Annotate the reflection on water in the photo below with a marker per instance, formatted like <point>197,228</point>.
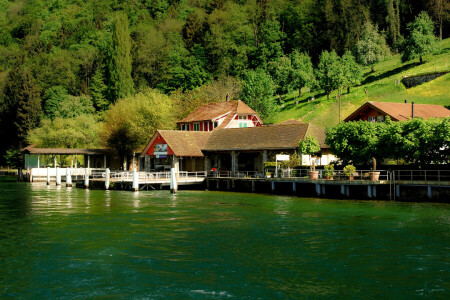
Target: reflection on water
<point>58,242</point>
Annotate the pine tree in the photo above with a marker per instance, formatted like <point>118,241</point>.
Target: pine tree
<point>98,90</point>
<point>119,60</point>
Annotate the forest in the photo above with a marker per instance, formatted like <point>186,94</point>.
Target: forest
<point>85,73</point>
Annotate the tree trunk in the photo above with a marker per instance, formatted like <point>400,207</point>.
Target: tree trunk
<point>421,60</point>
<point>300,92</point>
<point>348,90</point>
<point>440,28</point>
<point>328,96</point>
<point>281,98</point>
<point>373,69</point>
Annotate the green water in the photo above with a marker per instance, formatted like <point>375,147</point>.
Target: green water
<point>72,243</point>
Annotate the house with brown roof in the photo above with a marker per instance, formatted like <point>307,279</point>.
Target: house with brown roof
<point>227,114</point>
<point>377,111</point>
<point>174,148</point>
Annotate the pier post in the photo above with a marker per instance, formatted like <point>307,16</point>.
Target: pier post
<point>107,179</point>
<point>136,180</point>
<point>273,186</point>
<point>429,192</point>
<point>397,191</point>
<point>68,178</point>
<point>253,186</point>
<point>374,191</point>
<point>294,187</point>
<point>369,191</point>
<point>228,184</point>
<point>48,175</point>
<point>207,183</point>
<point>173,181</point>
<point>58,176</point>
<point>347,191</point>
<point>86,178</point>
<point>233,184</point>
<point>217,184</point>
<point>342,189</point>
<point>323,189</point>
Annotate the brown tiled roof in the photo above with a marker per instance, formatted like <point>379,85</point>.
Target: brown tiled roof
<point>185,143</point>
<point>263,137</point>
<point>402,111</point>
<point>288,122</point>
<point>65,151</point>
<point>213,110</point>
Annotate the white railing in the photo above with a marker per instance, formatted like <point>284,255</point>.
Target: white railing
<point>422,175</point>
<point>147,175</point>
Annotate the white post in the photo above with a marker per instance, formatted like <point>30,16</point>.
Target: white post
<point>68,178</point>
<point>369,191</point>
<point>89,161</point>
<point>342,189</point>
<point>48,175</point>
<point>107,179</point>
<point>173,181</point>
<point>58,176</point>
<point>86,178</point>
<point>276,168</point>
<point>430,194</point>
<point>39,161</point>
<point>135,180</point>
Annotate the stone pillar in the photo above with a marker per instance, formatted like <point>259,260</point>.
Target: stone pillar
<point>369,191</point>
<point>107,179</point>
<point>136,181</point>
<point>58,176</point>
<point>68,178</point>
<point>234,165</point>
<point>48,175</point>
<point>86,178</point>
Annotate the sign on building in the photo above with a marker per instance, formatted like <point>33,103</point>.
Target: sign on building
<point>282,157</point>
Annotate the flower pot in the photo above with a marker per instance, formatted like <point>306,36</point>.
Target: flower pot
<point>329,177</point>
<point>350,177</point>
<point>374,176</point>
<point>314,175</point>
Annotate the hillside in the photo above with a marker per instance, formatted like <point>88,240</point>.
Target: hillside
<point>382,85</point>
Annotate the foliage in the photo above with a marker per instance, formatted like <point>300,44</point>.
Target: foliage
<point>328,170</point>
<point>351,70</point>
<point>13,158</point>
<point>416,141</point>
<point>309,145</point>
<point>59,104</point>
<point>257,91</point>
<point>349,170</point>
<point>119,59</point>
<point>421,38</point>
<point>98,90</point>
<point>130,122</point>
<point>295,160</point>
<point>282,74</point>
<point>372,47</point>
<point>78,132</point>
<point>303,73</point>
<point>329,72</point>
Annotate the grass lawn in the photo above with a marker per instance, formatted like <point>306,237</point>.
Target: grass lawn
<point>382,85</point>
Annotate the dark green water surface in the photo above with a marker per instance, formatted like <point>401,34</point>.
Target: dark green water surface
<point>72,243</point>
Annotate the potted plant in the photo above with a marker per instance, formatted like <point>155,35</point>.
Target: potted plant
<point>374,176</point>
<point>328,171</point>
<point>268,174</point>
<point>309,146</point>
<point>349,170</point>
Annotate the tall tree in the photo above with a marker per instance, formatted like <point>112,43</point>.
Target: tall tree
<point>372,47</point>
<point>257,92</point>
<point>440,9</point>
<point>119,59</point>
<point>22,107</point>
<point>98,90</point>
<point>328,72</point>
<point>302,71</point>
<point>281,72</point>
<point>352,71</point>
<point>421,38</point>
<point>393,8</point>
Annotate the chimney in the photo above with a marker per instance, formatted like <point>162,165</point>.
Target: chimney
<point>227,96</point>
<point>406,101</point>
<point>412,110</point>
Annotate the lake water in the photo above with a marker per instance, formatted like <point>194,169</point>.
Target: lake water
<point>58,242</point>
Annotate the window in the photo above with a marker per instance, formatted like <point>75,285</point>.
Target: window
<point>183,127</point>
<point>380,119</point>
<point>242,117</point>
<point>188,127</point>
<point>216,124</point>
<point>196,126</point>
<point>371,119</point>
<point>205,126</point>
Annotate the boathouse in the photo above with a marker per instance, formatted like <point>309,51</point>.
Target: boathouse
<point>227,114</point>
<point>247,149</point>
<point>173,148</point>
<point>377,111</point>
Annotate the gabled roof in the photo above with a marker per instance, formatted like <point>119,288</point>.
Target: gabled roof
<point>263,137</point>
<point>66,151</point>
<point>210,111</point>
<point>402,111</point>
<point>182,143</point>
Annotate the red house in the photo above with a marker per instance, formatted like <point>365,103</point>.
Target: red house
<point>377,111</point>
<point>228,114</point>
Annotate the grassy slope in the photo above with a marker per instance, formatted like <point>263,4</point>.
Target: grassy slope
<point>380,86</point>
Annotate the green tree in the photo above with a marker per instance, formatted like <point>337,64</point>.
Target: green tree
<point>21,108</point>
<point>372,47</point>
<point>98,91</point>
<point>352,71</point>
<point>119,59</point>
<point>59,104</point>
<point>303,72</point>
<point>129,122</point>
<point>421,38</point>
<point>309,145</point>
<point>329,72</point>
<point>257,92</point>
<point>281,72</point>
<point>53,97</point>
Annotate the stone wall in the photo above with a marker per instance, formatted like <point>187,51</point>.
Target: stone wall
<point>413,81</point>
